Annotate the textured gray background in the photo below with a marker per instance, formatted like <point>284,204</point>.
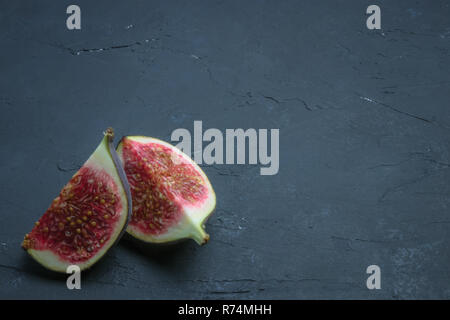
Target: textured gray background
<point>364,141</point>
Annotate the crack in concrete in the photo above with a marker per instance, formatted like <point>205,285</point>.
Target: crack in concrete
<point>303,102</point>
<point>68,167</point>
<point>361,240</point>
<point>225,172</point>
<point>394,109</point>
<point>220,280</point>
<point>419,155</point>
<point>5,266</point>
<point>77,52</point>
<point>400,186</point>
<point>229,292</point>
<point>272,99</point>
<point>94,50</point>
<point>389,164</point>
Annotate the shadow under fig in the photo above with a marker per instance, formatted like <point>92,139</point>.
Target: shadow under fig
<point>30,266</point>
<point>164,254</point>
<point>167,256</point>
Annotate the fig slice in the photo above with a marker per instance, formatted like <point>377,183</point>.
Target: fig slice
<point>172,197</point>
<point>89,215</point>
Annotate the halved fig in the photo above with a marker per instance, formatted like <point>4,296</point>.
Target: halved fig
<point>172,197</point>
<point>88,217</point>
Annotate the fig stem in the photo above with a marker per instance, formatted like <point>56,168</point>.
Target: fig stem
<point>199,235</point>
<point>109,133</point>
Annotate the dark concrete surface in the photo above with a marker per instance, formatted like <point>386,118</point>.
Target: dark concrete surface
<point>364,125</point>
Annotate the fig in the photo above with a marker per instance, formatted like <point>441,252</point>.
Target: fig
<point>172,197</point>
<point>89,215</point>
